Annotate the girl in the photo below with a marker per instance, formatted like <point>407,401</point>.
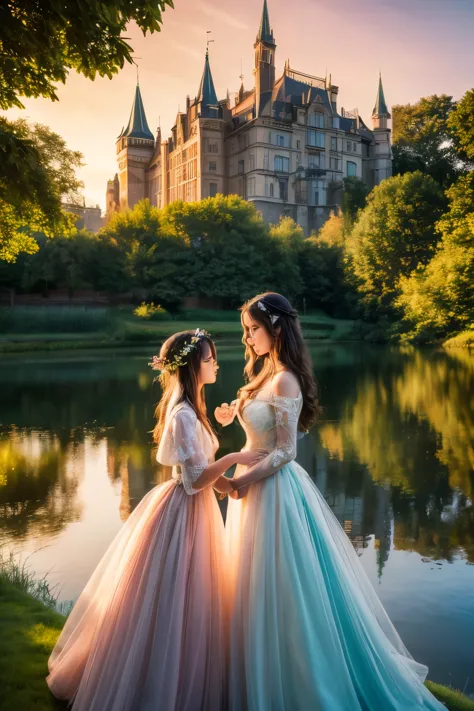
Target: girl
<point>307,629</point>
<point>148,631</point>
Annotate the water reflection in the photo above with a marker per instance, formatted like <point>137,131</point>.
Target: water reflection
<point>393,455</point>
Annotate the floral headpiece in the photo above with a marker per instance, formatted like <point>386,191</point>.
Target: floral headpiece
<point>179,359</point>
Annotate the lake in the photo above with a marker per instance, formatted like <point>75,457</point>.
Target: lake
<point>393,455</point>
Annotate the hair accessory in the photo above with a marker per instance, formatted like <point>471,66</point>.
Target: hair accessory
<point>163,365</point>
<point>273,317</point>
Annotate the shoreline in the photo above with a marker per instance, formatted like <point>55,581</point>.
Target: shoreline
<point>30,630</point>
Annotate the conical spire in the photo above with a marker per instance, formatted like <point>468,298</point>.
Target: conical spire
<point>380,108</point>
<point>137,125</point>
<point>207,97</point>
<point>265,33</point>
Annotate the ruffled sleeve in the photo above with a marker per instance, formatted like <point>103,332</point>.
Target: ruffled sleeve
<point>182,445</point>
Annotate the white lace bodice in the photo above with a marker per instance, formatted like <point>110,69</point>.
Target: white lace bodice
<point>186,446</point>
<point>271,422</point>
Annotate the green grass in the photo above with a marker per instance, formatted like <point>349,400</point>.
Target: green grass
<point>122,329</point>
<point>29,633</point>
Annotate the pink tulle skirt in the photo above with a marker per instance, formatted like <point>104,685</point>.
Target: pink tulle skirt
<point>149,630</point>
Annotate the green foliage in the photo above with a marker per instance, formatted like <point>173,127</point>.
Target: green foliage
<point>422,139</point>
<point>37,171</point>
<point>392,236</point>
<point>437,299</point>
<point>354,198</point>
<point>41,41</point>
<point>461,125</point>
<point>150,312</point>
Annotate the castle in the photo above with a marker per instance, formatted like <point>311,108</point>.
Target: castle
<point>282,144</point>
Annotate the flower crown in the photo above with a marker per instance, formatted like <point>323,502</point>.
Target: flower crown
<point>179,358</point>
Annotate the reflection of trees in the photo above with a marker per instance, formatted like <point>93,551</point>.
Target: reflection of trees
<point>38,483</point>
<point>411,423</point>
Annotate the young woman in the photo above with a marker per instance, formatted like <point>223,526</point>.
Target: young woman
<point>149,630</point>
<point>307,629</point>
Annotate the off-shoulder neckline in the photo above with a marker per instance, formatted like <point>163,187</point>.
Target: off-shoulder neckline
<point>269,396</point>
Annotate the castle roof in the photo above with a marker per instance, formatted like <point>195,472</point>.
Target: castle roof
<point>137,126</point>
<point>380,107</point>
<point>207,97</point>
<point>265,33</point>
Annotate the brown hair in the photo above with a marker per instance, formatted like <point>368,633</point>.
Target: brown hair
<point>187,377</point>
<point>288,348</point>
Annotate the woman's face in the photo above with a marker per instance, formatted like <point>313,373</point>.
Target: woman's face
<point>256,335</point>
<point>209,367</point>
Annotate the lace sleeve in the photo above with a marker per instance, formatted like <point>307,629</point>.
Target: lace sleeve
<point>286,424</point>
<point>287,411</point>
<point>183,446</point>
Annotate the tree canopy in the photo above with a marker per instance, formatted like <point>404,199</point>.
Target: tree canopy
<point>41,40</point>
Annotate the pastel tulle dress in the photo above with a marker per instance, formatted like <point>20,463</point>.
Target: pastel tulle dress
<point>148,631</point>
<point>307,630</point>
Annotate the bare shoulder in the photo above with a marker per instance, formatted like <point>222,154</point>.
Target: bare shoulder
<point>286,384</point>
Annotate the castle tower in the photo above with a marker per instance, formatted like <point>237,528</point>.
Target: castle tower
<point>264,64</point>
<point>383,152</point>
<point>135,148</point>
<point>206,99</point>
<point>210,131</point>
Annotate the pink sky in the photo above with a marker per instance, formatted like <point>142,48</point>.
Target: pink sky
<point>422,47</point>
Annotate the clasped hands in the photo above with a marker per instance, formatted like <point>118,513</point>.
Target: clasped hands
<point>248,458</point>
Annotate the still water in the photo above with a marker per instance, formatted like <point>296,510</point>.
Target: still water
<point>393,455</point>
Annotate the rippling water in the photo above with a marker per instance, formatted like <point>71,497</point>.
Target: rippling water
<point>393,455</point>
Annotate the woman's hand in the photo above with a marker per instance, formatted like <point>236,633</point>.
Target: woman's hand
<point>223,485</point>
<point>238,493</point>
<point>250,457</point>
<point>225,414</point>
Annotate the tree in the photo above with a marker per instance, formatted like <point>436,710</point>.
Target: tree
<point>422,139</point>
<point>37,171</point>
<point>437,299</point>
<point>354,198</point>
<point>461,125</point>
<point>41,41</point>
<point>394,234</point>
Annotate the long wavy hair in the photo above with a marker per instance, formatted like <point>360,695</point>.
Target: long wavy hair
<point>185,376</point>
<point>281,322</point>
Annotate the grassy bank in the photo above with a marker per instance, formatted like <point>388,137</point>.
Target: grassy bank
<point>29,632</point>
<point>60,328</point>
<point>465,339</point>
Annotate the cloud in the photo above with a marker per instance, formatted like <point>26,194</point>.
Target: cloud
<point>188,50</point>
<point>213,12</point>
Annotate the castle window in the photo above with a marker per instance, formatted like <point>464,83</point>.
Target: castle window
<point>349,146</point>
<point>213,148</point>
<point>271,189</point>
<point>315,138</point>
<point>354,146</point>
<point>212,167</point>
<point>251,186</point>
<point>298,144</point>
<point>351,169</point>
<point>241,166</point>
<point>317,161</point>
<point>283,185</point>
<point>333,164</point>
<point>252,161</point>
<point>316,120</point>
<point>282,164</point>
<point>333,143</point>
<point>212,189</point>
<point>280,140</point>
<point>269,136</point>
